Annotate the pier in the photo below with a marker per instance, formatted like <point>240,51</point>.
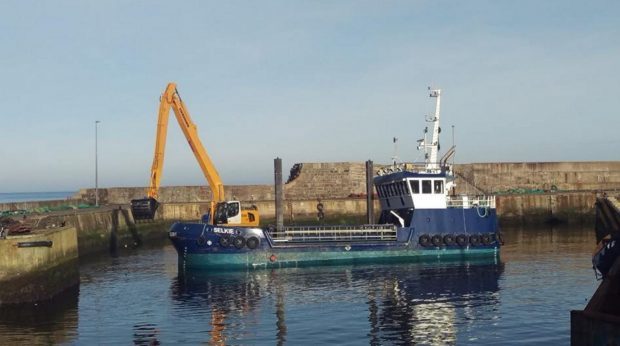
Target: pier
<point>37,266</point>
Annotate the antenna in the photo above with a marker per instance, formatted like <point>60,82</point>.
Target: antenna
<point>453,145</point>
<point>395,156</point>
<point>431,147</point>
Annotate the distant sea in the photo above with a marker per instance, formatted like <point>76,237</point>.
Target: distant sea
<point>11,197</point>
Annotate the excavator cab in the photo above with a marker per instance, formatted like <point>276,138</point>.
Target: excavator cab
<point>144,208</point>
<point>230,213</point>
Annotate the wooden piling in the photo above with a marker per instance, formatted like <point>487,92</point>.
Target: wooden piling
<point>277,167</point>
<point>370,210</point>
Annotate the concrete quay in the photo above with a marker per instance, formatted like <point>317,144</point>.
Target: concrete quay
<point>41,264</point>
<point>37,266</point>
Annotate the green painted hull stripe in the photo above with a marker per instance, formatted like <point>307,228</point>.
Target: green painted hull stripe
<point>263,259</point>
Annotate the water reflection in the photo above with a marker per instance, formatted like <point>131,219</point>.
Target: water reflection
<point>404,303</point>
<point>43,323</point>
<point>145,334</point>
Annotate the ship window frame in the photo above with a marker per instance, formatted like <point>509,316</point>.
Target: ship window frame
<point>438,186</point>
<point>415,186</point>
<point>405,188</point>
<point>427,186</point>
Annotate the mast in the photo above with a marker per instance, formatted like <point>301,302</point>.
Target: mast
<point>432,148</point>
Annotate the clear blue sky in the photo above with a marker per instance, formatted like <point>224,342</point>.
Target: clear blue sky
<point>306,81</point>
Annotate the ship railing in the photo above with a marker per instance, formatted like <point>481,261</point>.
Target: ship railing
<point>305,234</point>
<point>467,202</point>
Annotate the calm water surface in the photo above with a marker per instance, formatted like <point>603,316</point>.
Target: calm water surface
<point>140,298</point>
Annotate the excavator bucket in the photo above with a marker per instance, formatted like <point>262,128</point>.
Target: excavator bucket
<point>144,209</point>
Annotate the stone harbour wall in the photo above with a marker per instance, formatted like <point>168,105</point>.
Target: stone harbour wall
<point>523,189</point>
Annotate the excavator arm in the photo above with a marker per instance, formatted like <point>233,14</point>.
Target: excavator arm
<point>145,208</point>
<point>171,99</point>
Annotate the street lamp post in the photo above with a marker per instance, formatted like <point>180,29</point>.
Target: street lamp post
<point>96,167</point>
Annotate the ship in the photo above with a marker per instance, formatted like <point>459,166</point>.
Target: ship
<point>421,219</point>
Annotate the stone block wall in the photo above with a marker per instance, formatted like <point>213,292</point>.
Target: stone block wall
<point>172,194</point>
<point>536,208</point>
<point>566,176</point>
<point>327,180</point>
<point>315,181</point>
<point>576,183</point>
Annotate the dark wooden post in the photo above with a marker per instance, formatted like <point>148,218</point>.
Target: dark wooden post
<point>277,167</point>
<point>370,206</point>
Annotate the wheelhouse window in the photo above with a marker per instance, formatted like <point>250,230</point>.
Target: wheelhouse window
<point>403,184</point>
<point>415,186</point>
<point>438,186</point>
<point>401,188</point>
<point>381,191</point>
<point>427,186</point>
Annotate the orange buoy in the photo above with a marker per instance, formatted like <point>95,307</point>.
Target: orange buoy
<point>273,258</point>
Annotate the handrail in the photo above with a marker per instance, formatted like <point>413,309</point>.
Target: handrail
<point>295,234</point>
<point>470,201</point>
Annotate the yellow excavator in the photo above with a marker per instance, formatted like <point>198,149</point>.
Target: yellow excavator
<point>220,212</point>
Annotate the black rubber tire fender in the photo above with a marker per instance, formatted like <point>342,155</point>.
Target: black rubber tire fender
<point>252,243</point>
<point>474,240</point>
<point>239,242</point>
<point>462,240</point>
<point>224,241</point>
<point>424,240</point>
<point>437,240</point>
<point>201,241</point>
<point>486,239</point>
<point>448,239</point>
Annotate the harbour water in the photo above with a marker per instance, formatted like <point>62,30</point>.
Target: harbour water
<point>139,297</point>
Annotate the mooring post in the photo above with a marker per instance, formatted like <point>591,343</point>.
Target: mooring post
<point>370,206</point>
<point>277,167</point>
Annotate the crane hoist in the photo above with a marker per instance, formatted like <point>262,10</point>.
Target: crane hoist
<point>221,212</point>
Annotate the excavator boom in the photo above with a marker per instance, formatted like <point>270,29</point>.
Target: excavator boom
<point>145,208</point>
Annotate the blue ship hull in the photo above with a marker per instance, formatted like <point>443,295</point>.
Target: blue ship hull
<point>432,234</point>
